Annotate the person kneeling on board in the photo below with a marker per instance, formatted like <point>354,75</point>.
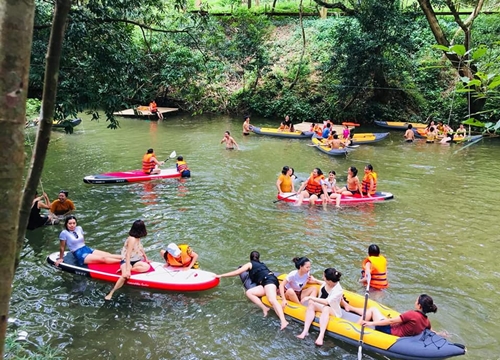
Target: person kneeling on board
<point>180,256</point>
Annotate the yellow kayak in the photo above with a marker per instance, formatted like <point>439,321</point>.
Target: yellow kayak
<point>280,133</point>
<point>399,125</point>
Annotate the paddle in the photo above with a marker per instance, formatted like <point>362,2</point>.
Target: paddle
<point>289,196</point>
<point>172,155</point>
<point>367,293</point>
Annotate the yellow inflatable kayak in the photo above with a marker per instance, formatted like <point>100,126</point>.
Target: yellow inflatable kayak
<point>427,345</point>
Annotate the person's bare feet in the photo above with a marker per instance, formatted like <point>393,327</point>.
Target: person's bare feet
<point>284,325</point>
<point>319,342</point>
<point>108,297</point>
<point>301,336</point>
<point>266,311</point>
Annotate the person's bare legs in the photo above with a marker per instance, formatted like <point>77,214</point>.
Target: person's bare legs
<point>254,294</point>
<point>310,315</point>
<point>309,291</point>
<point>102,257</point>
<point>323,323</point>
<point>118,284</point>
<point>271,290</point>
<point>292,296</point>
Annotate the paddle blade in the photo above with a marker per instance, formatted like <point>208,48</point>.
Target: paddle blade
<point>360,352</point>
<point>173,154</point>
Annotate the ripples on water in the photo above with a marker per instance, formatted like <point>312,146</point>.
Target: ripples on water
<point>439,234</point>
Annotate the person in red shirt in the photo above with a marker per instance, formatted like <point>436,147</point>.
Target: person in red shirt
<point>410,323</point>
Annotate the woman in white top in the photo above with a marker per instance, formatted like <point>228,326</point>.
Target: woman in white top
<point>331,188</point>
<point>329,301</point>
<point>292,288</point>
<point>73,237</point>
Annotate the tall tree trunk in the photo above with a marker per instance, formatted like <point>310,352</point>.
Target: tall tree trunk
<point>16,33</point>
<point>47,114</point>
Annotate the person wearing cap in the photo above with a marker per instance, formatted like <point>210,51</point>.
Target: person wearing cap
<point>63,205</point>
<point>182,167</point>
<point>180,256</point>
<point>150,164</point>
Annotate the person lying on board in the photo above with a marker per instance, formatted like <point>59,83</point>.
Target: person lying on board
<point>180,256</point>
<point>285,181</point>
<point>374,269</point>
<point>150,164</point>
<point>331,296</point>
<point>247,127</point>
<point>62,206</point>
<point>312,188</point>
<point>292,288</point>
<point>267,285</point>
<point>73,237</point>
<point>410,323</point>
<point>409,134</point>
<point>230,142</point>
<point>182,167</point>
<point>133,257</point>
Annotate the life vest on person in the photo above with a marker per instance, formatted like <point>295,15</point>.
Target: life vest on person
<point>147,164</point>
<point>313,185</point>
<point>431,136</point>
<point>153,107</point>
<point>182,166</point>
<point>365,184</point>
<point>318,130</point>
<point>378,271</point>
<point>184,258</point>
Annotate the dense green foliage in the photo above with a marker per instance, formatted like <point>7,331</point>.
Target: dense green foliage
<point>379,64</point>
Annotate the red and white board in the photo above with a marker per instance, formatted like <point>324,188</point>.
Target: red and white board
<point>356,199</point>
<point>129,176</point>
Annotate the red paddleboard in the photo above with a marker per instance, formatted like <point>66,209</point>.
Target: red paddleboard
<point>129,176</point>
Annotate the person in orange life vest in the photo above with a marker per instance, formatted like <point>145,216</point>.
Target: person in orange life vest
<point>182,167</point>
<point>153,109</point>
<point>150,165</point>
<point>374,269</point>
<point>369,182</point>
<point>180,256</point>
<point>313,187</point>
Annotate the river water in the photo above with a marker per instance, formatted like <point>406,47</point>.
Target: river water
<point>439,234</point>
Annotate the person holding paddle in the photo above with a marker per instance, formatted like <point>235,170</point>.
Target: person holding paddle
<point>150,164</point>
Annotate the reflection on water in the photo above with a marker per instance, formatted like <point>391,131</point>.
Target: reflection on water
<point>438,233</point>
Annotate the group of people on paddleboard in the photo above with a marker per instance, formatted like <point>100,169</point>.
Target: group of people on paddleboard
<point>151,165</point>
<point>326,296</point>
<point>320,187</point>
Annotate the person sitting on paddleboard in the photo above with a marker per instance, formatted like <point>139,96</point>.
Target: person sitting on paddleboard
<point>374,269</point>
<point>410,323</point>
<point>182,167</point>
<point>267,284</point>
<point>151,165</point>
<point>328,303</point>
<point>331,188</point>
<point>353,186</point>
<point>153,109</point>
<point>63,205</point>
<point>133,258</point>
<point>312,187</point>
<point>369,182</point>
<point>180,256</point>
<point>409,134</point>
<point>285,181</point>
<point>293,286</point>
<point>73,237</point>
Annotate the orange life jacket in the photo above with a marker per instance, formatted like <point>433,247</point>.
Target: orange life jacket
<point>378,271</point>
<point>153,107</point>
<point>184,258</point>
<point>313,185</point>
<point>182,166</point>
<point>147,164</point>
<point>365,184</point>
<point>318,130</point>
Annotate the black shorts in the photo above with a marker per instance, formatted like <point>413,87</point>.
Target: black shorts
<point>270,279</point>
<point>132,263</point>
<point>354,192</point>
